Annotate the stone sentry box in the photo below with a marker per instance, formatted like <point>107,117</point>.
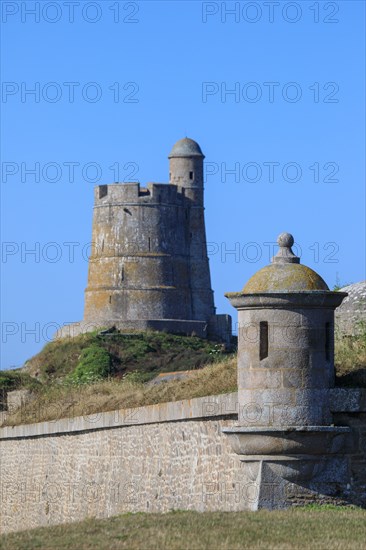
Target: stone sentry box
<point>285,373</point>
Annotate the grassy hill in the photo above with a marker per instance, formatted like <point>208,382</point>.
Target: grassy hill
<point>96,372</point>
<point>147,352</point>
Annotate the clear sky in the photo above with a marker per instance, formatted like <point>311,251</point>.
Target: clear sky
<point>272,91</point>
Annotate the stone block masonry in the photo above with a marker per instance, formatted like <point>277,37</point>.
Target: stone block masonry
<point>149,459</point>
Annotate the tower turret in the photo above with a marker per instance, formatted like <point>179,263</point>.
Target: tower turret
<point>186,171</point>
<point>186,168</point>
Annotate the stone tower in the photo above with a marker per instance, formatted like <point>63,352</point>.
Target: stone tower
<point>149,266</point>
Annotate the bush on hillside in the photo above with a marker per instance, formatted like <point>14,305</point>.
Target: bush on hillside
<point>94,365</point>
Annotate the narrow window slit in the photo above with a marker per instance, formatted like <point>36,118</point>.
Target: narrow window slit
<point>263,340</point>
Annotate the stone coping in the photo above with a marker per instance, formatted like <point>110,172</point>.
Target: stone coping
<point>284,429</point>
<point>205,408</point>
<point>303,299</point>
<point>190,409</point>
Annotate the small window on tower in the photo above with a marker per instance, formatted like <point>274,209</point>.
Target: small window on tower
<point>191,175</point>
<point>263,340</point>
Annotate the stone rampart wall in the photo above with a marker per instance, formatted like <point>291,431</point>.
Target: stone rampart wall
<point>157,458</point>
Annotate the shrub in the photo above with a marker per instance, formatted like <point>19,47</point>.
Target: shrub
<point>94,364</point>
<point>138,377</point>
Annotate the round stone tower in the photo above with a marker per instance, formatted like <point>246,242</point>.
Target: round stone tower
<point>139,268</point>
<point>186,172</point>
<point>149,266</point>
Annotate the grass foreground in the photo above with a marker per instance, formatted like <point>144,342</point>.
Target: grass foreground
<point>311,527</point>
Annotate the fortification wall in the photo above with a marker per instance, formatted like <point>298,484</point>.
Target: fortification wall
<point>151,459</point>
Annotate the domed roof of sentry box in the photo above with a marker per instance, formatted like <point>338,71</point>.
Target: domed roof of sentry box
<point>186,147</point>
<point>285,273</point>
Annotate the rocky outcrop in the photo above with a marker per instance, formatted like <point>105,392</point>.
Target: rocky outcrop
<point>350,316</point>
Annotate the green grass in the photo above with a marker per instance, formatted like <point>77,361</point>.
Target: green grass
<point>314,528</point>
<point>147,352</point>
<point>94,364</point>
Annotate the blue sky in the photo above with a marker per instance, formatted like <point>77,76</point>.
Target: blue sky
<point>125,80</point>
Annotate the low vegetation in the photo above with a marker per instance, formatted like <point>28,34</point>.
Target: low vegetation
<point>315,528</point>
<point>94,373</point>
<point>67,400</point>
<point>350,359</point>
<point>148,352</point>
<point>15,380</point>
<point>100,372</point>
<point>94,364</point>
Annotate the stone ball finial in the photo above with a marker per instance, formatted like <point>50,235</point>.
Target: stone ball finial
<point>285,254</point>
<point>285,239</point>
